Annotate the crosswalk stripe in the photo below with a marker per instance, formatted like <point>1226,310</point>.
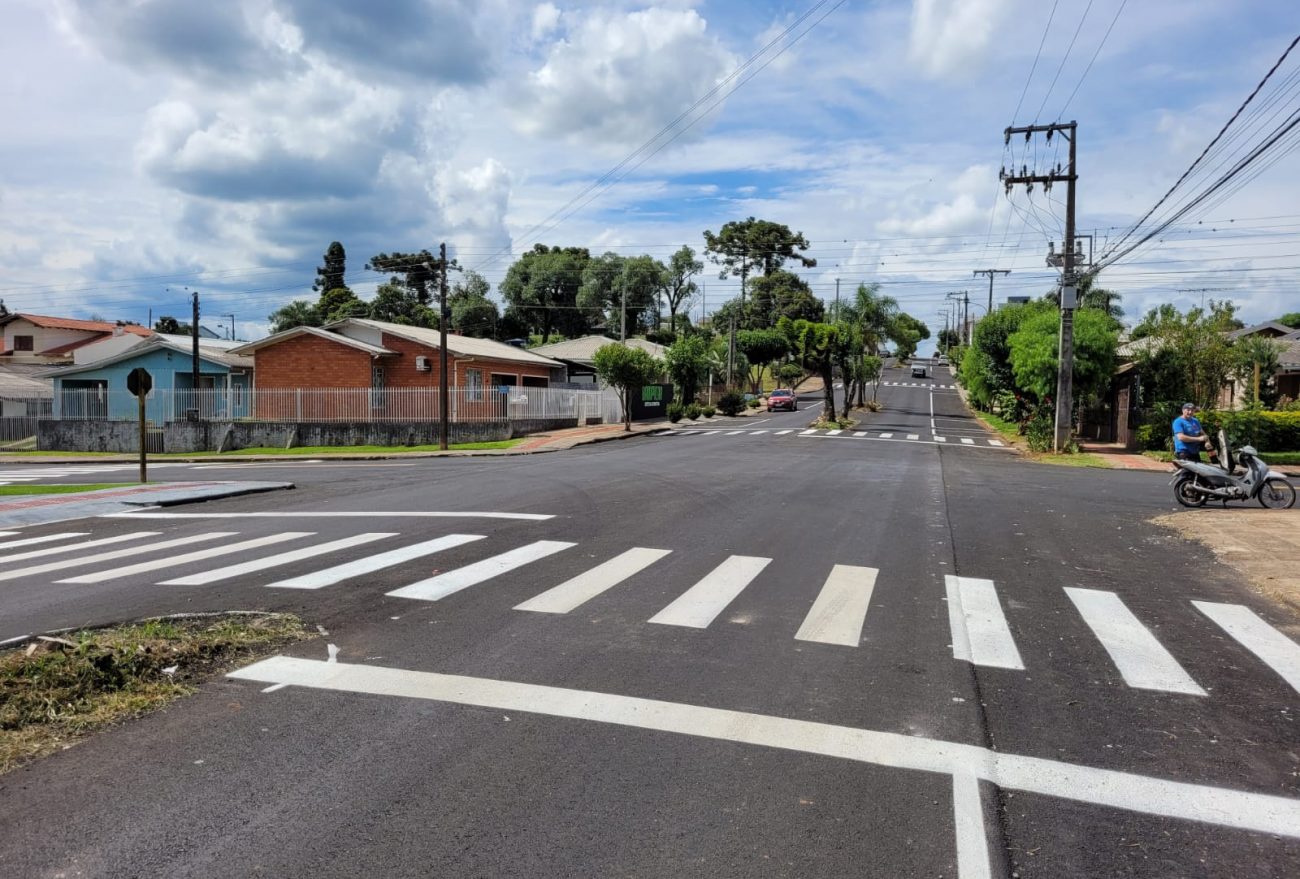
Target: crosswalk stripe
<point>112,555</point>
<point>783,432</point>
<point>756,432</point>
<point>840,611</point>
<point>967,441</point>
<point>734,432</point>
<point>72,547</point>
<point>9,533</point>
<point>808,431</point>
<point>1139,657</point>
<point>451,582</point>
<point>370,564</point>
<point>941,439</point>
<point>994,442</point>
<point>834,432</point>
<point>186,558</point>
<point>699,605</point>
<point>574,592</point>
<point>861,433</point>
<point>273,561</point>
<point>980,634</point>
<point>1276,650</point>
<point>886,436</point>
<point>914,436</point>
<point>47,538</point>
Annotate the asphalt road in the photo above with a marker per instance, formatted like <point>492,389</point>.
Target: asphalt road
<point>747,651</point>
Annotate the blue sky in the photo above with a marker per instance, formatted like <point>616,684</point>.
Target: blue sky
<point>155,146</point>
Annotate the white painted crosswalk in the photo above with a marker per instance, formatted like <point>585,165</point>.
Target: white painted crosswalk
<point>982,441</point>
<point>981,620</point>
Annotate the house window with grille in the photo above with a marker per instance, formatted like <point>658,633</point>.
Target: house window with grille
<point>474,383</point>
<point>23,343</point>
<point>376,387</point>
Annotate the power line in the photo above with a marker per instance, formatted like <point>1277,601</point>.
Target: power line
<point>1093,60</point>
<point>1051,15</point>
<point>1064,58</point>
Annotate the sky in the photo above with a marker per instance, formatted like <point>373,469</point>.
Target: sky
<point>157,147</point>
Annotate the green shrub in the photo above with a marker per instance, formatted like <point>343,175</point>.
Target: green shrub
<point>731,403</point>
<point>1266,431</point>
<point>753,404</point>
<point>693,411</point>
<point>1154,438</point>
<point>675,412</point>
<point>708,411</point>
<point>789,374</point>
<point>1041,429</point>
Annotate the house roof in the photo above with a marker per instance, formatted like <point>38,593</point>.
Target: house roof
<point>465,346</point>
<point>68,323</point>
<point>250,347</point>
<point>1267,326</point>
<point>1289,357</point>
<point>583,349</point>
<point>211,355</point>
<point>16,386</point>
<point>69,347</point>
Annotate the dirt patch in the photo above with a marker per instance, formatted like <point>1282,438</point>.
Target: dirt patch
<point>1264,545</point>
<point>56,689</point>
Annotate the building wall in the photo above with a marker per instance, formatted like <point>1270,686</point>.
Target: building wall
<point>170,370</point>
<point>42,338</point>
<point>309,361</point>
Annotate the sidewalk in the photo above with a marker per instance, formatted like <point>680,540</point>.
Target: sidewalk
<point>1122,459</point>
<point>43,509</point>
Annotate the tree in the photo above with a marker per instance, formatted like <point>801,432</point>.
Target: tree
<point>948,338</point>
<point>688,365</point>
<point>761,347</point>
<point>874,314</point>
<point>612,282</point>
<point>1091,296</point>
<point>330,275</point>
<point>624,368</point>
<point>417,272</point>
<point>472,312</point>
<point>985,369</point>
<point>1189,357</point>
<point>1035,344</point>
<point>338,304</point>
<point>679,289</point>
<point>170,326</point>
<point>298,313</point>
<point>743,244</point>
<point>541,290</point>
<point>396,303</point>
<point>781,294</point>
<point>906,332</point>
<point>1256,355</point>
<point>815,344</point>
<point>1291,319</point>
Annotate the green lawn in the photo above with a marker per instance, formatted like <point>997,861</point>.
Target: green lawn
<point>16,490</point>
<point>1008,429</point>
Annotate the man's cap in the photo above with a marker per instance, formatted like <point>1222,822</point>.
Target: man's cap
<point>1189,405</point>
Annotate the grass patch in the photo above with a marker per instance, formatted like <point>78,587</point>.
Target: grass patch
<point>834,423</point>
<point>54,692</point>
<point>16,490</point>
<point>1078,459</point>
<point>1278,458</point>
<point>1009,430</point>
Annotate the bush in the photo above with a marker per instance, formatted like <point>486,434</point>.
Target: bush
<point>1041,429</point>
<point>789,374</point>
<point>675,412</point>
<point>708,411</point>
<point>753,404</point>
<point>731,403</point>
<point>1154,438</point>
<point>1266,431</point>
<point>693,411</point>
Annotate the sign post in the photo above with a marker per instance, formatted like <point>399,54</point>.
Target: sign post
<point>139,382</point>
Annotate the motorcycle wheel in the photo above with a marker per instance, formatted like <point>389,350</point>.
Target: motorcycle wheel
<point>1277,494</point>
<point>1186,496</point>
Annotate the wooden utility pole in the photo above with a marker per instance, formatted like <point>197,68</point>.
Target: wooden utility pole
<point>990,273</point>
<point>1069,279</point>
<point>444,388</point>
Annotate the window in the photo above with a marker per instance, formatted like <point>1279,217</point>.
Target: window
<point>474,382</point>
<point>23,343</point>
<point>376,387</point>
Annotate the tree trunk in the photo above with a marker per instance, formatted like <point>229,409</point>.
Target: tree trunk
<point>672,318</point>
<point>828,391</point>
<point>627,409</point>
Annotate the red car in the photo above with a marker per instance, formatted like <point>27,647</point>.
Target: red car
<point>782,399</point>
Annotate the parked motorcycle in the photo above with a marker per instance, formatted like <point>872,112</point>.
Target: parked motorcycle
<point>1196,483</point>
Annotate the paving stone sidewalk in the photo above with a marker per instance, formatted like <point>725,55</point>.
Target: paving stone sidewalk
<point>42,509</point>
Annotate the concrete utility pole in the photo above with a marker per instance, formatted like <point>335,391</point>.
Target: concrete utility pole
<point>622,307</point>
<point>990,273</point>
<point>1069,292</point>
<point>444,387</point>
<point>194,339</point>
<point>965,315</point>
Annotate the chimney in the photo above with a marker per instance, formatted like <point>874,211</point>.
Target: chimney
<point>118,329</point>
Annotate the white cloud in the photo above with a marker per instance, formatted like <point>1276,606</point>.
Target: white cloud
<point>474,202</point>
<point>620,77</point>
<point>949,37</point>
<point>546,18</point>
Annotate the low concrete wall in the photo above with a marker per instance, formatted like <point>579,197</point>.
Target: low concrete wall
<point>227,436</point>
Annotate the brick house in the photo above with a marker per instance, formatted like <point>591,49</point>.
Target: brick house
<point>358,369</point>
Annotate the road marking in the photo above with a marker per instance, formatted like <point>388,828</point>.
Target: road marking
<point>783,432</point>
<point>47,538</point>
<point>932,413</point>
<point>980,634</point>
<point>864,433</point>
<point>359,514</point>
<point>914,436</point>
<point>9,533</point>
<point>1141,660</point>
<point>113,555</point>
<point>452,582</point>
<point>941,439</point>
<point>370,564</point>
<point>808,431</point>
<point>734,432</point>
<point>1276,650</point>
<point>272,561</point>
<point>834,432</point>
<point>1244,810</point>
<point>699,605</point>
<point>994,442</point>
<point>967,441</point>
<point>89,544</point>
<point>968,820</point>
<point>580,589</point>
<point>840,611</point>
<point>757,432</point>
<point>186,558</point>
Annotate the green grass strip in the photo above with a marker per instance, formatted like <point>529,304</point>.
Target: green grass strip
<point>17,490</point>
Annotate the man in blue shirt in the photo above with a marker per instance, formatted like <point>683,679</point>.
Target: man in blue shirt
<point>1189,436</point>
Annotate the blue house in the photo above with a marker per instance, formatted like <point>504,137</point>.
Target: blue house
<point>97,390</point>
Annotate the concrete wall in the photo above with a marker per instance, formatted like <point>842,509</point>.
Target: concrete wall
<point>211,436</point>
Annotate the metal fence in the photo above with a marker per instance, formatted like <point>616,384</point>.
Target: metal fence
<point>466,405</point>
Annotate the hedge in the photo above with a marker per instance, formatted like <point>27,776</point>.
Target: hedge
<point>1266,431</point>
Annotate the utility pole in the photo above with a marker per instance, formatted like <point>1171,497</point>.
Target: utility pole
<point>444,388</point>
<point>232,325</point>
<point>1069,292</point>
<point>622,306</point>
<point>194,339</point>
<point>965,315</point>
<point>731,353</point>
<point>990,273</point>
<point>837,299</point>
